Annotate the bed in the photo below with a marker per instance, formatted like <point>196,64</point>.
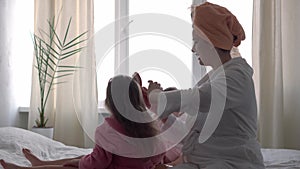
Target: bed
<point>12,140</point>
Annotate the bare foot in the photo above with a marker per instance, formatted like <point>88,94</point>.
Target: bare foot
<point>9,165</point>
<point>32,158</point>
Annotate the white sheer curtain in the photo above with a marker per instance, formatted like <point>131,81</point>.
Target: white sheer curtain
<point>8,104</point>
<point>16,18</point>
<point>276,60</point>
<point>71,100</point>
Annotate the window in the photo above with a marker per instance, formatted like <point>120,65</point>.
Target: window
<point>148,47</point>
<point>145,44</point>
<point>141,45</point>
<point>104,16</point>
<point>22,51</point>
<point>156,53</point>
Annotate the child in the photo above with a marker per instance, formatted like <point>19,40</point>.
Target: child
<point>112,151</point>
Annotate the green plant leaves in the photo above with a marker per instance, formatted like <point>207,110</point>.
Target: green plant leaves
<point>50,50</point>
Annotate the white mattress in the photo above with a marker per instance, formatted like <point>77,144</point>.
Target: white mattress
<point>12,140</point>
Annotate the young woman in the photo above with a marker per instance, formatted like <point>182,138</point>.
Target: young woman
<point>113,149</point>
<point>223,102</point>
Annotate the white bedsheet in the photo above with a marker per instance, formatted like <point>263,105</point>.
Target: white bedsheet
<point>281,158</point>
<point>12,140</point>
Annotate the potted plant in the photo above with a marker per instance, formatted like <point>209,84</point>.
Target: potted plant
<point>50,50</point>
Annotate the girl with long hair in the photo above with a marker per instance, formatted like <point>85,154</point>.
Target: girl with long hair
<point>119,139</point>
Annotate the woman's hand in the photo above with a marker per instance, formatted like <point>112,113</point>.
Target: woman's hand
<point>153,92</point>
<point>161,166</point>
<point>153,86</point>
<point>178,114</point>
<point>179,160</point>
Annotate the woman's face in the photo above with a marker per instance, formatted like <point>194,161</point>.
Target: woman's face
<point>204,50</point>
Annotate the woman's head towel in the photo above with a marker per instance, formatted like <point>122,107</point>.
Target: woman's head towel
<point>218,24</point>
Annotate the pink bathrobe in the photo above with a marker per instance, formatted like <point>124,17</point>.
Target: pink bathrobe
<point>107,139</point>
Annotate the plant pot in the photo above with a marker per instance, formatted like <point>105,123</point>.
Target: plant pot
<point>47,131</point>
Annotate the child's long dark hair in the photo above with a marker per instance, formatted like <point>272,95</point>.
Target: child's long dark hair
<point>133,129</point>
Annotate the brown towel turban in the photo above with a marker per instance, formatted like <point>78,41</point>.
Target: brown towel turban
<point>219,25</point>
